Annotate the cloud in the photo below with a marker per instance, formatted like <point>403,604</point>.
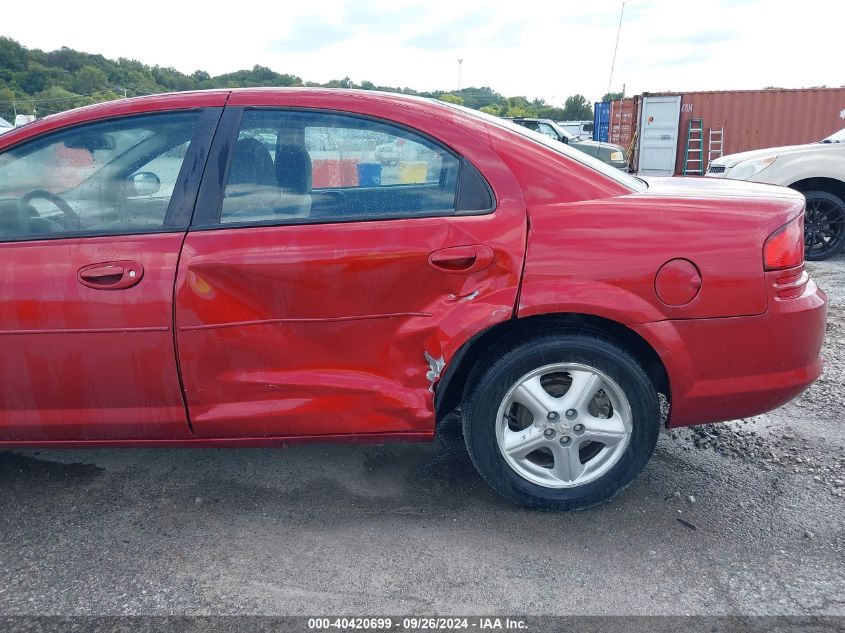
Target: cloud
<point>693,57</point>
<point>704,38</point>
<point>510,35</point>
<point>729,4</point>
<point>383,19</point>
<point>599,19</point>
<point>638,11</point>
<point>455,34</point>
<point>310,33</point>
<point>667,60</point>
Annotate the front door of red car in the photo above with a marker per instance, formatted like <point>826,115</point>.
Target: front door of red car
<point>321,290</point>
<point>92,219</point>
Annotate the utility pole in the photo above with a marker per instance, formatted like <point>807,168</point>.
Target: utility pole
<point>460,64</point>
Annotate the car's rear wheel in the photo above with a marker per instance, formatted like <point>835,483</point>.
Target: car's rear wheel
<point>561,421</point>
<point>824,225</point>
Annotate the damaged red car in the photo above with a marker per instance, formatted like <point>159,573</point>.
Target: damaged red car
<point>242,268</point>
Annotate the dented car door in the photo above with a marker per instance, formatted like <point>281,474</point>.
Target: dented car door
<point>321,292</point>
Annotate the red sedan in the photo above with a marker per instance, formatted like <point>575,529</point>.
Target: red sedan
<point>238,268</point>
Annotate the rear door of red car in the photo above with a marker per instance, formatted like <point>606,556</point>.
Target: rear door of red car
<point>320,291</point>
<point>92,219</point>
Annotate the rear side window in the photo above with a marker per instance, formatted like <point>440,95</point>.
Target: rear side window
<point>295,166</point>
<point>107,178</point>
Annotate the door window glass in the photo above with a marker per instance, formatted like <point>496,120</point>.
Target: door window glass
<point>323,167</point>
<point>110,177</point>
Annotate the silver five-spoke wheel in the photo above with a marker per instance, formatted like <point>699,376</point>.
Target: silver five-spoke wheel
<point>563,425</point>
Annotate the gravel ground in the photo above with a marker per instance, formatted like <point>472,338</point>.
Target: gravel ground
<point>741,518</point>
<point>805,436</point>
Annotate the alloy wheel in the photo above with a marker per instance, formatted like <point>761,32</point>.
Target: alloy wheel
<point>563,425</point>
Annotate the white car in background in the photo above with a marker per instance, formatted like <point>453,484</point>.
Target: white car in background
<point>816,169</point>
<point>582,129</point>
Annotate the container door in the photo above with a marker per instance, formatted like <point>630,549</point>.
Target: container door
<point>659,135</point>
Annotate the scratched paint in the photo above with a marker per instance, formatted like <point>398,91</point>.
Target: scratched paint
<point>435,367</point>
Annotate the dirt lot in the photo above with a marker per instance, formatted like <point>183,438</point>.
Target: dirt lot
<point>745,517</point>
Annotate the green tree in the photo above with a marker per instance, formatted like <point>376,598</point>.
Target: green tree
<point>550,112</point>
<point>13,58</point>
<point>479,97</point>
<point>89,79</point>
<point>450,98</point>
<point>613,96</point>
<point>34,78</point>
<point>7,104</point>
<point>346,82</point>
<point>56,99</point>
<point>577,108</point>
<point>67,78</point>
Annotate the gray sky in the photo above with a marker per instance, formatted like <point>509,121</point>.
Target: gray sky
<point>536,49</point>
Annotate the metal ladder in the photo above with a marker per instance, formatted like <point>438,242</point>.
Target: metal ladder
<point>715,147</point>
<point>694,151</point>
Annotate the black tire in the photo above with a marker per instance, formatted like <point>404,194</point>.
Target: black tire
<point>503,367</point>
<point>824,225</point>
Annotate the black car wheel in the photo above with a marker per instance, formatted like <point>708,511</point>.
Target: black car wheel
<point>824,225</point>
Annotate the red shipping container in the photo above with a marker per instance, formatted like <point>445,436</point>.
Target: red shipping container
<point>751,119</point>
<point>755,119</point>
<point>623,121</point>
<point>334,172</point>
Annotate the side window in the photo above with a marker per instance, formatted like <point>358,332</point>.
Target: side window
<point>300,166</point>
<point>107,178</point>
<point>547,130</point>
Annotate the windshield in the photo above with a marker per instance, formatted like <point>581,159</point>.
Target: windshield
<point>632,183</point>
<point>838,137</point>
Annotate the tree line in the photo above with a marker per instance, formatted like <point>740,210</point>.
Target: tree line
<point>33,81</point>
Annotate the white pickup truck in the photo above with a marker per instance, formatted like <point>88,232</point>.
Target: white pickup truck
<point>816,169</point>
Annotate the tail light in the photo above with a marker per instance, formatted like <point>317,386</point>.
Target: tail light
<point>785,247</point>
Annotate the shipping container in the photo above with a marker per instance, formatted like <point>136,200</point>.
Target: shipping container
<point>601,121</point>
<point>623,121</point>
<point>755,119</point>
<point>749,119</point>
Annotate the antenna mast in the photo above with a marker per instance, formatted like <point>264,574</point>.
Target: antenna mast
<point>616,48</point>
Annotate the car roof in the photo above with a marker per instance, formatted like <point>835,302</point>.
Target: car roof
<point>217,97</point>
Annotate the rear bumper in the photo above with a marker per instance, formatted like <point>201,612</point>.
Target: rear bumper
<point>729,368</point>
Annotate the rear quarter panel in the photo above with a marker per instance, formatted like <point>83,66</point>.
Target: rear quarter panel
<point>601,256</point>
